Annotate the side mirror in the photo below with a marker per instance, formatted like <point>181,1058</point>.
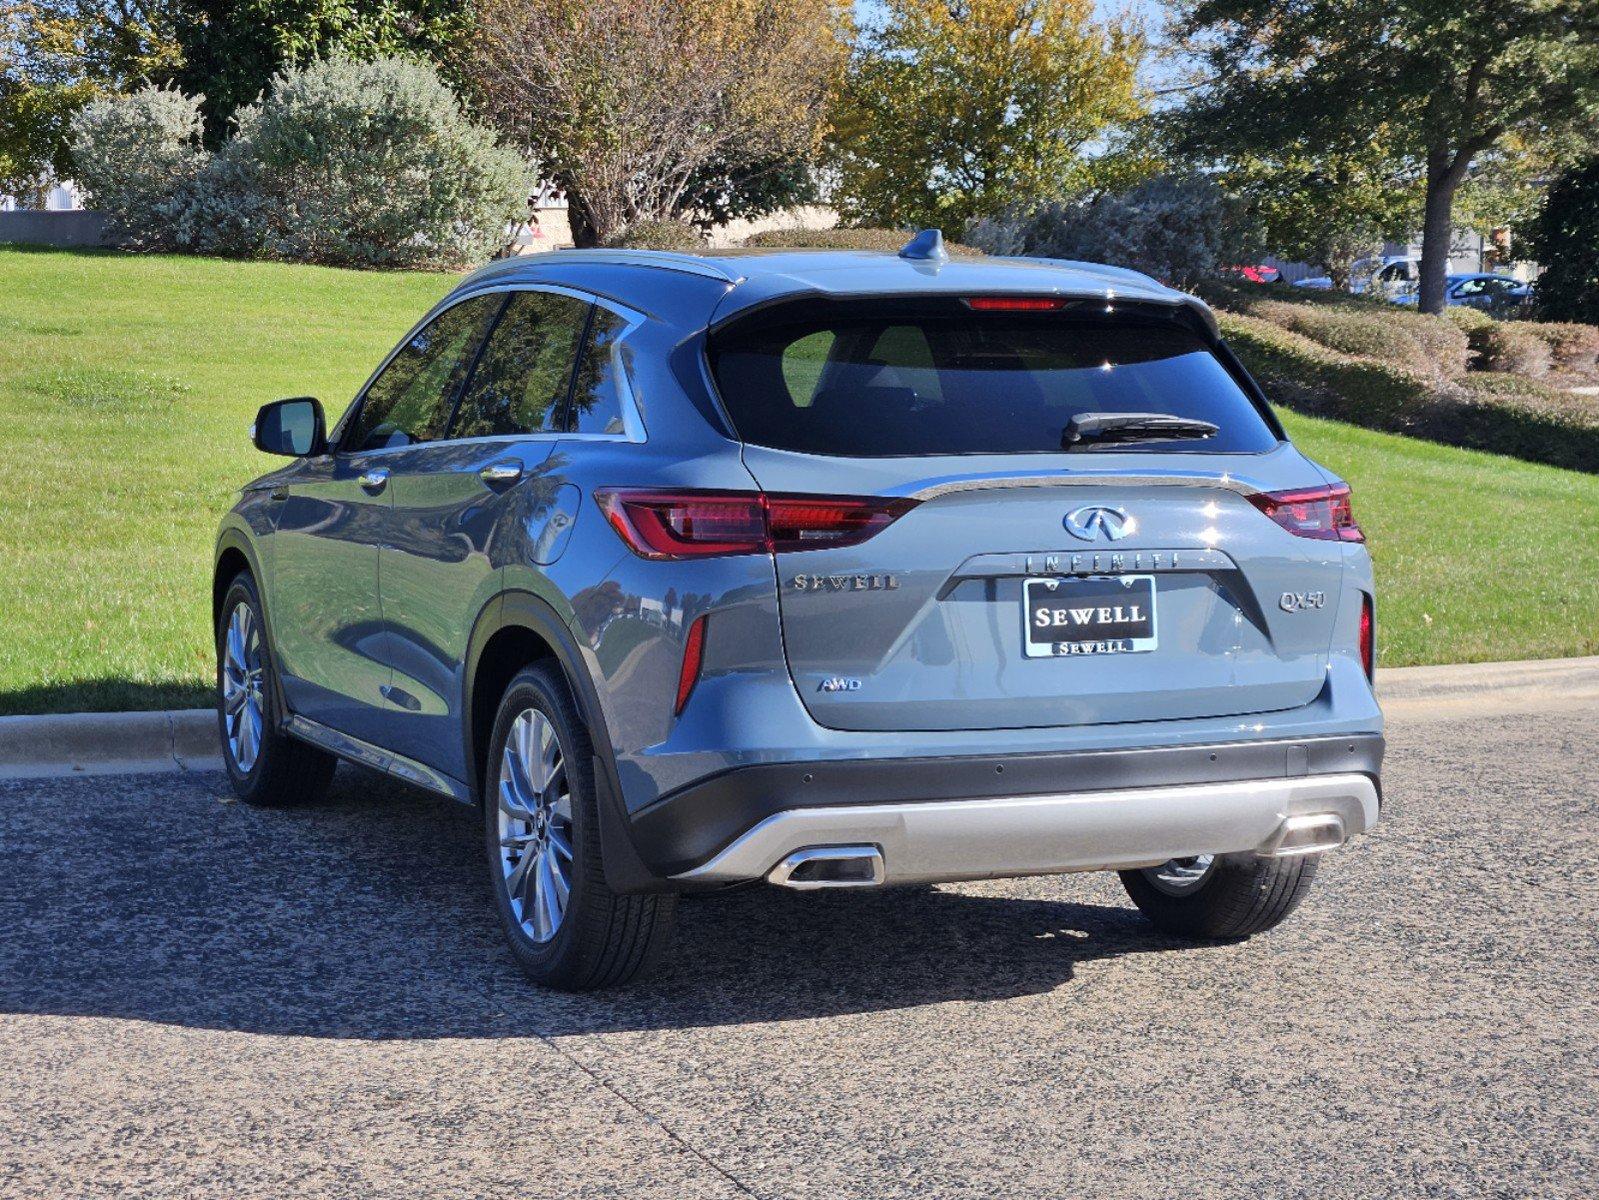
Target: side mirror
<point>295,428</point>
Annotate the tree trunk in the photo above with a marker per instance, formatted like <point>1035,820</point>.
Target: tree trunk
<point>579,218</point>
<point>1444,173</point>
<point>1339,272</point>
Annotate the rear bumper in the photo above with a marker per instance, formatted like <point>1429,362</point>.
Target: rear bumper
<point>1085,805</point>
<point>1044,835</point>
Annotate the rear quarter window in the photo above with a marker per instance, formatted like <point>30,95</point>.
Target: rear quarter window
<point>972,383</point>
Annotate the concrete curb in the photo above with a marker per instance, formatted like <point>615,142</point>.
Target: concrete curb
<point>68,744</point>
<point>1465,688</point>
<point>61,744</point>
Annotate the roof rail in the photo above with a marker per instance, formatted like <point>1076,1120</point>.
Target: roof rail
<point>661,260</point>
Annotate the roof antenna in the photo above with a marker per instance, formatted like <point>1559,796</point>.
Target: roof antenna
<point>926,246</point>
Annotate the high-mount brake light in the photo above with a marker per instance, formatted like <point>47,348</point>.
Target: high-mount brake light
<point>1324,513</point>
<point>705,524</point>
<point>1015,303</point>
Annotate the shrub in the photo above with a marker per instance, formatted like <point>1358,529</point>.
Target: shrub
<point>659,235</point>
<point>1359,334</point>
<point>867,238</point>
<point>1572,347</point>
<point>131,154</point>
<point>1427,346</point>
<point>1301,372</point>
<point>1510,346</point>
<point>1179,229</point>
<point>220,210</point>
<point>1468,320</point>
<point>1502,413</point>
<point>374,164</point>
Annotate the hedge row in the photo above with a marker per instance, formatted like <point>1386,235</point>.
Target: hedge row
<point>1484,410</point>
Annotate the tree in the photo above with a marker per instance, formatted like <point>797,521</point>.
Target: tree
<point>1180,229</point>
<point>55,57</point>
<point>1565,238</point>
<point>1329,208</point>
<point>1440,82</point>
<point>649,110</point>
<point>233,48</point>
<point>954,109</point>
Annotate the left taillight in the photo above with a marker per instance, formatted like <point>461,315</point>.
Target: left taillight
<point>1324,513</point>
<point>706,524</point>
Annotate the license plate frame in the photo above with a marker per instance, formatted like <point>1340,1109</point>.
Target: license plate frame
<point>1080,603</point>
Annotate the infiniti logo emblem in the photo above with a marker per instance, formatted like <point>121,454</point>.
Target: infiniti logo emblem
<point>1097,520</point>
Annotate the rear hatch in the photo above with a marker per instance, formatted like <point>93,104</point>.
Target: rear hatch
<point>1011,583</point>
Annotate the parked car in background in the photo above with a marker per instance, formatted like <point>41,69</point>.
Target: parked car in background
<point>1481,290</point>
<point>1392,275</point>
<point>828,569</point>
<point>1258,273</point>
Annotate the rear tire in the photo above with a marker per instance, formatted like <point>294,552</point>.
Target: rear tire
<point>1227,898</point>
<point>566,927</point>
<point>266,767</point>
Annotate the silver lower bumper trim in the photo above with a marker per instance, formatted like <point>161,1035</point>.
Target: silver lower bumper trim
<point>948,840</point>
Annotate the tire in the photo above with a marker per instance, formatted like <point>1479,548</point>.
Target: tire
<point>1224,898</point>
<point>267,768</point>
<point>541,839</point>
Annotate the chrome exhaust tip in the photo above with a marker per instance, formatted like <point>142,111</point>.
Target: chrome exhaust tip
<point>829,867</point>
<point>1311,833</point>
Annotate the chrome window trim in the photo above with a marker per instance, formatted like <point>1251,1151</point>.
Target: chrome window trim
<point>634,429</point>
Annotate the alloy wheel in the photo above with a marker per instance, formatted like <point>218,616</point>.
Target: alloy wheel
<point>1180,876</point>
<point>243,695</point>
<point>535,826</point>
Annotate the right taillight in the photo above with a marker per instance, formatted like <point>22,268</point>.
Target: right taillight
<point>1324,512</point>
<point>1368,637</point>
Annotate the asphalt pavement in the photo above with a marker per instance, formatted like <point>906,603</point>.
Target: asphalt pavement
<point>201,999</point>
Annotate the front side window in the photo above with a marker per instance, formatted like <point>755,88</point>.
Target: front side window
<point>597,394</point>
<point>865,381</point>
<point>525,370</point>
<point>410,401</point>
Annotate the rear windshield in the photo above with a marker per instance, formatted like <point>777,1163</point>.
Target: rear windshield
<point>972,383</point>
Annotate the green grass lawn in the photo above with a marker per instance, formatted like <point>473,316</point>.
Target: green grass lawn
<point>127,385</point>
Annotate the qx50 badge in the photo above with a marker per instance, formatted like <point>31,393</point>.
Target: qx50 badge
<point>1298,601</point>
<point>1094,521</point>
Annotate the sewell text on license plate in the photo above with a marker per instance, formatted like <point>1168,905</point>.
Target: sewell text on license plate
<point>1097,614</point>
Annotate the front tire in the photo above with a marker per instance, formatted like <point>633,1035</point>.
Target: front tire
<point>1221,897</point>
<point>266,767</point>
<point>565,925</point>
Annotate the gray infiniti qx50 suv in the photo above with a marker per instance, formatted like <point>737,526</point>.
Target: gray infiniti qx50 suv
<point>834,570</point>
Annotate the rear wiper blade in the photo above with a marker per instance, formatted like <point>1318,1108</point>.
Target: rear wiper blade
<point>1133,427</point>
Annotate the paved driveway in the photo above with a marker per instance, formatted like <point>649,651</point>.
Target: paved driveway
<point>201,999</point>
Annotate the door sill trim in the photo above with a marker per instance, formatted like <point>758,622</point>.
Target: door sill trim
<point>353,749</point>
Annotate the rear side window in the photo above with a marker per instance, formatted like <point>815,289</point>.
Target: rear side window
<point>972,383</point>
<point>410,401</point>
<point>597,394</point>
<point>523,375</point>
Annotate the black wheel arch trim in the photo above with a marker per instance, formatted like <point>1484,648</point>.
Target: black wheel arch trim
<point>234,538</point>
<point>625,869</point>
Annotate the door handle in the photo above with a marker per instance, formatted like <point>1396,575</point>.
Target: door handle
<point>375,480</point>
<point>501,474</point>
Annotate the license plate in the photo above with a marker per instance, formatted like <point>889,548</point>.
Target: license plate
<point>1100,614</point>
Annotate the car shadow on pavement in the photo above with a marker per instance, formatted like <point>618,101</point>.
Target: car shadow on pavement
<point>161,899</point>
